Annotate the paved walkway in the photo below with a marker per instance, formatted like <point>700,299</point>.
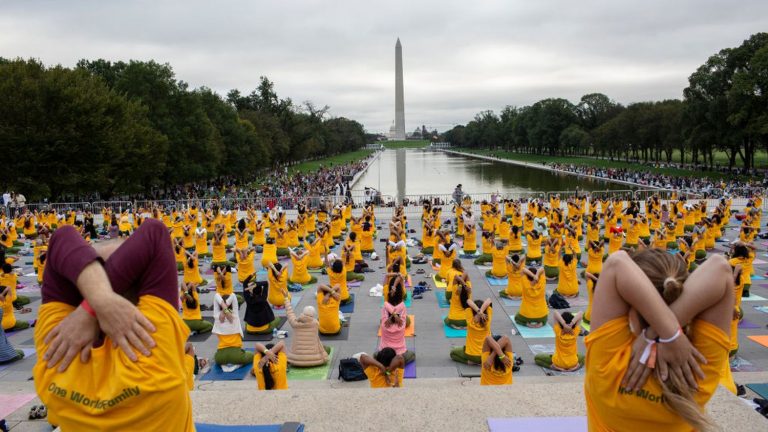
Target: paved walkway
<point>430,344</point>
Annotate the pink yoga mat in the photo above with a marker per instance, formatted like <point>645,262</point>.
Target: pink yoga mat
<point>538,424</point>
<point>11,402</point>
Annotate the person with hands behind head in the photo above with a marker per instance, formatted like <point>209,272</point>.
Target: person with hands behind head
<point>119,305</point>
<point>638,355</point>
<point>497,360</point>
<point>328,301</point>
<point>566,357</point>
<point>270,366</point>
<point>384,369</point>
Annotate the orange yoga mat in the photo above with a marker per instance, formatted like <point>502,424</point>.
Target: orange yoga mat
<point>762,340</point>
<point>410,331</point>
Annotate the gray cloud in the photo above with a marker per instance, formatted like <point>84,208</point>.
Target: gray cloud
<point>459,57</point>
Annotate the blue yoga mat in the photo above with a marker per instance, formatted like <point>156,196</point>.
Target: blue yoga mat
<point>753,297</point>
<point>497,282</point>
<point>216,374</point>
<point>758,277</point>
<point>760,389</point>
<point>452,332</point>
<point>349,307</point>
<point>510,302</point>
<point>534,333</point>
<point>441,301</point>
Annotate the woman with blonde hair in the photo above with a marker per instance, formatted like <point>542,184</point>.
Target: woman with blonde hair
<point>643,302</point>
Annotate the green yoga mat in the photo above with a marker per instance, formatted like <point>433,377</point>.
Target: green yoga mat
<point>408,300</point>
<point>760,389</point>
<point>316,373</point>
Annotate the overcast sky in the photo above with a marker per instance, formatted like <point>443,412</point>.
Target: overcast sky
<point>459,57</point>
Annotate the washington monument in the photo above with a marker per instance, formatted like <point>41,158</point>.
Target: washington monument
<point>399,103</point>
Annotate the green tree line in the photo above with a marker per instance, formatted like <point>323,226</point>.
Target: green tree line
<point>127,127</point>
<point>724,108</point>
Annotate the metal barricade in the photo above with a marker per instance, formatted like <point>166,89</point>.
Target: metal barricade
<point>67,206</point>
<point>116,206</point>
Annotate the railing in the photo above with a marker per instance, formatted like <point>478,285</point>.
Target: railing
<point>412,203</point>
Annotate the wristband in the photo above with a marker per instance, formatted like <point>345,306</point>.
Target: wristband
<point>649,353</point>
<point>87,307</point>
<point>502,357</point>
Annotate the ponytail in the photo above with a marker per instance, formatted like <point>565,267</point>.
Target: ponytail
<point>269,381</point>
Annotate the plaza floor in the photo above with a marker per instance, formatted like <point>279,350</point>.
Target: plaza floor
<point>430,342</point>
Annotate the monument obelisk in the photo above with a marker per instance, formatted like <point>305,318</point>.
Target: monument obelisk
<point>399,102</point>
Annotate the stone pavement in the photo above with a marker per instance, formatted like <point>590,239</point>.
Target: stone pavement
<point>431,347</point>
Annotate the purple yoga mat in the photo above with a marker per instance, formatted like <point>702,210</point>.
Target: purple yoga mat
<point>538,424</point>
<point>410,370</point>
<point>746,324</point>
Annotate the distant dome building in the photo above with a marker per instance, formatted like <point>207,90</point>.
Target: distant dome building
<point>392,132</point>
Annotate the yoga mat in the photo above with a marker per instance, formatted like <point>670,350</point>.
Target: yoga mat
<point>497,282</point>
<point>354,284</point>
<point>408,300</point>
<point>511,302</point>
<point>11,402</point>
<point>410,370</point>
<point>441,301</point>
<point>410,331</point>
<point>295,299</point>
<point>762,308</point>
<point>452,332</point>
<point>216,374</point>
<point>285,427</point>
<point>349,307</point>
<point>438,284</point>
<point>470,256</point>
<point>343,334</point>
<point>542,349</point>
<point>747,324</point>
<point>577,301</point>
<point>467,371</point>
<point>262,337</point>
<point>533,333</point>
<point>200,337</point>
<point>316,373</point>
<point>762,340</point>
<point>760,389</point>
<point>753,297</point>
<point>539,424</point>
<point>758,277</point>
<point>317,270</point>
<point>758,261</point>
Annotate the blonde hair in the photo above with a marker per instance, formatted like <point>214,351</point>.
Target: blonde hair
<point>668,273</point>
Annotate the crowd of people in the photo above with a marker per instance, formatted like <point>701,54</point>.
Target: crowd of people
<point>127,297</point>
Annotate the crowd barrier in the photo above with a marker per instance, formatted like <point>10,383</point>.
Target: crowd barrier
<point>411,203</point>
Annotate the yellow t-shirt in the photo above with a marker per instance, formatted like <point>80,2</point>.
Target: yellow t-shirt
<point>566,350</point>
<point>568,282</point>
<point>476,333</point>
<point>611,407</point>
<point>328,315</point>
<point>499,263</point>
<point>534,247</point>
<point>493,376</point>
<point>188,313</point>
<point>111,392</point>
<point>534,304</point>
<point>278,371</point>
<point>376,377</point>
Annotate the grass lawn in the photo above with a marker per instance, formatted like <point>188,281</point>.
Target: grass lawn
<point>343,158</point>
<point>405,144</point>
<point>601,163</point>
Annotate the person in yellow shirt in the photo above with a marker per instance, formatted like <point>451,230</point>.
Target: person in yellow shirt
<point>317,250</point>
<point>646,299</point>
<point>497,360</point>
<point>201,242</point>
<point>551,259</point>
<point>328,301</point>
<point>487,242</point>
<point>190,309</point>
<point>277,275</point>
<point>567,280</point>
<point>499,261</point>
<point>366,237</point>
<point>337,276</point>
<point>742,254</point>
<point>192,269</point>
<point>515,266</point>
<point>384,368</point>
<point>300,273</point>
<point>566,357</point>
<point>534,311</point>
<point>246,265</point>
<point>458,293</point>
<point>270,366</point>
<point>478,315</point>
<point>227,327</point>
<point>269,255</point>
<point>534,246</point>
<point>136,374</point>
